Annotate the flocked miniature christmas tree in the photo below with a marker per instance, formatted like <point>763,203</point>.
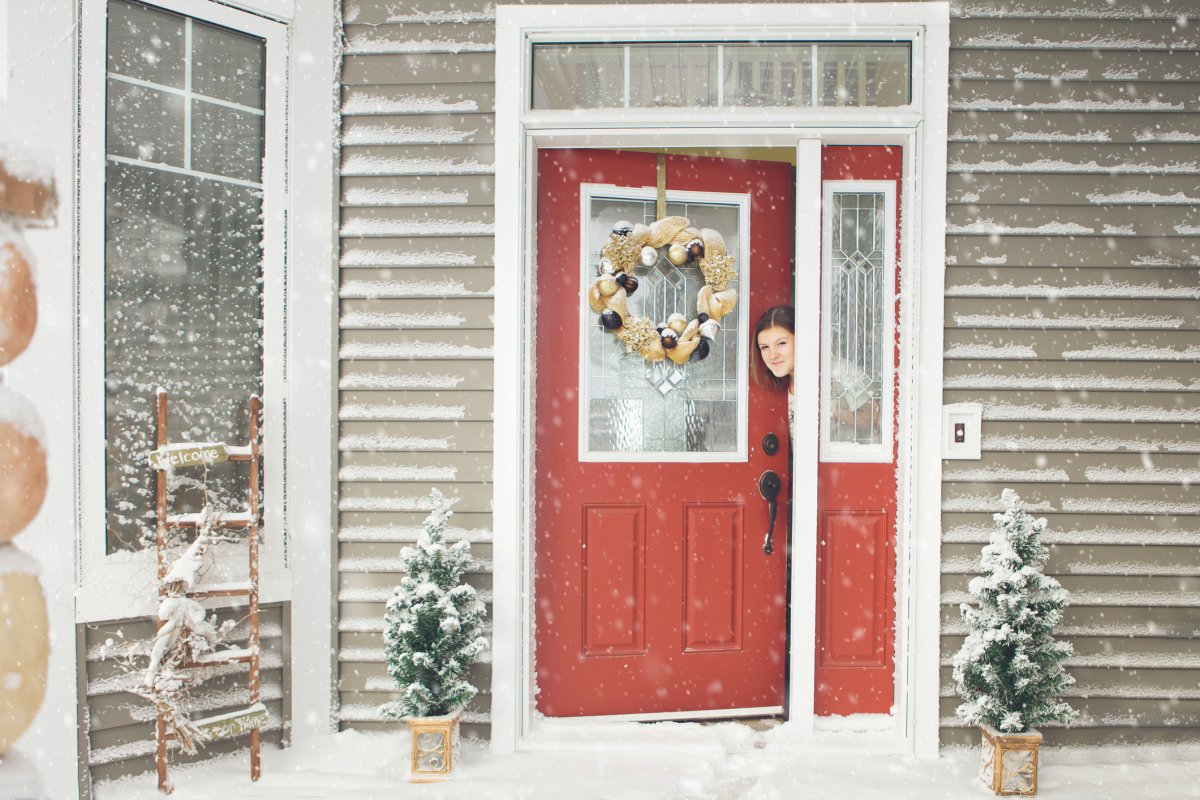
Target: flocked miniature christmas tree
<point>1009,672</point>
<point>433,625</point>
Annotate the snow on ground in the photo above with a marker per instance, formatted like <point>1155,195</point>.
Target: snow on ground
<point>665,761</point>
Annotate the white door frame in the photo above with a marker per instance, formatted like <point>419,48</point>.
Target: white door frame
<point>921,130</point>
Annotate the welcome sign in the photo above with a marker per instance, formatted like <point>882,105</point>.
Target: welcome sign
<point>189,455</point>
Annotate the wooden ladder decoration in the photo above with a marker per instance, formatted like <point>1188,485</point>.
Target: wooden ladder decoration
<point>252,717</point>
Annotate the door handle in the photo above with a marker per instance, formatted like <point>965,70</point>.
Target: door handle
<point>769,486</point>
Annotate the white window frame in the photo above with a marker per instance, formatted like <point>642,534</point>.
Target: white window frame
<point>587,319</point>
<point>852,452</point>
<point>921,131</point>
<point>120,585</point>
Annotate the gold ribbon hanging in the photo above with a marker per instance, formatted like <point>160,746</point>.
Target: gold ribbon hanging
<point>662,187</point>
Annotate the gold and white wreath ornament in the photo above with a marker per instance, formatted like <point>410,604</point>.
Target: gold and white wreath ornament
<point>677,337</point>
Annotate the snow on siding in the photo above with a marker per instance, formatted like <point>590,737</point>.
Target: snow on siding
<point>359,196</point>
<point>1112,289</point>
<point>359,45</point>
<point>399,472</point>
<point>1102,322</point>
<point>411,350</point>
<point>424,227</point>
<point>406,258</point>
<point>415,319</point>
<point>391,411</point>
<point>359,164</point>
<point>405,134</point>
<point>385,380</point>
<point>374,290</point>
<point>367,104</point>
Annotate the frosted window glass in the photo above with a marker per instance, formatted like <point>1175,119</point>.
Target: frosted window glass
<point>578,76</point>
<point>866,74</point>
<point>673,75</point>
<point>768,75</point>
<point>754,74</point>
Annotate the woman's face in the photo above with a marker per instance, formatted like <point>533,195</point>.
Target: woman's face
<point>775,347</point>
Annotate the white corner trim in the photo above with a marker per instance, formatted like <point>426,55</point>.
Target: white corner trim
<point>312,203</point>
<point>923,134</point>
<point>923,550</point>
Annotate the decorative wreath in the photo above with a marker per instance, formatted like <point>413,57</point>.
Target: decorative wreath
<point>676,338</point>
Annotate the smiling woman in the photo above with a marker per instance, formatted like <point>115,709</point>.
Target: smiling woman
<point>774,340</point>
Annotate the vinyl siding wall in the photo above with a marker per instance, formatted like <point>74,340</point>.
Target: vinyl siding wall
<point>119,725</point>
<point>1073,212</point>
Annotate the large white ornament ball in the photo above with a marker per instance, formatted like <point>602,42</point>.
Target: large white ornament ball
<point>24,645</point>
<point>677,255</point>
<point>649,256</point>
<point>18,302</point>
<point>22,465</point>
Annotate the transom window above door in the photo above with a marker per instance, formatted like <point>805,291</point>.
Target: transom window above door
<point>774,74</point>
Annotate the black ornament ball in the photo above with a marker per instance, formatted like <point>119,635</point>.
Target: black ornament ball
<point>630,285</point>
<point>695,250</point>
<point>611,320</point>
<point>703,318</point>
<point>701,351</point>
<point>668,339</point>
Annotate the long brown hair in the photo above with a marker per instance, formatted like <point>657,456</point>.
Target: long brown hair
<point>774,317</point>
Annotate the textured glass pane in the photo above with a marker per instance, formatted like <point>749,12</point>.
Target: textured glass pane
<point>578,76</point>
<point>857,274</point>
<point>183,268</point>
<point>768,75</point>
<point>227,65</point>
<point>146,44</point>
<point>144,124</point>
<point>866,74</point>
<point>635,406</point>
<point>226,141</point>
<point>675,75</point>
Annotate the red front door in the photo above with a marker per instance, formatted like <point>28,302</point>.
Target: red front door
<point>654,595</point>
<point>856,476</point>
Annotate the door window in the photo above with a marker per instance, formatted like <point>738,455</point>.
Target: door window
<point>857,381</point>
<point>636,410</point>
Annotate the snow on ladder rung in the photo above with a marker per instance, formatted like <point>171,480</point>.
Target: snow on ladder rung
<point>241,519</point>
<point>234,589</point>
<point>238,655</point>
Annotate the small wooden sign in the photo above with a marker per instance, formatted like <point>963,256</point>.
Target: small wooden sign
<point>174,456</point>
<point>235,723</point>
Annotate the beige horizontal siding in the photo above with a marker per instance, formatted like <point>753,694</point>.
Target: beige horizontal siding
<point>416,341</point>
<point>1073,242</point>
<point>1071,315</point>
<point>120,725</point>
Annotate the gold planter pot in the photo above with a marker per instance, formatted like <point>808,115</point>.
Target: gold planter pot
<point>1009,762</point>
<point>435,747</point>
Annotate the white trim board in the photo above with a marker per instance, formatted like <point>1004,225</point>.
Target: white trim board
<point>921,130</point>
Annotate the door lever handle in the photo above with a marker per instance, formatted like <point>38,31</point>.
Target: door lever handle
<point>769,486</point>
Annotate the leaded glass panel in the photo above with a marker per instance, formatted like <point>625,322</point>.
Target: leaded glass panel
<point>637,407</point>
<point>857,275</point>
